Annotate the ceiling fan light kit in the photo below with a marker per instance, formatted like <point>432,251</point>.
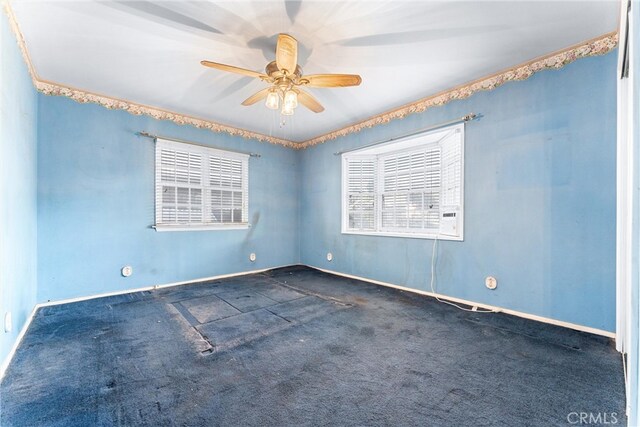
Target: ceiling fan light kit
<point>287,111</point>
<point>285,78</point>
<point>290,99</point>
<point>273,100</point>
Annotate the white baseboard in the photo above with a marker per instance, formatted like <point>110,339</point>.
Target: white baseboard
<point>14,347</point>
<point>152,287</point>
<point>7,361</point>
<point>479,305</point>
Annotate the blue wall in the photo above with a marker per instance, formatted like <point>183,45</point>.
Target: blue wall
<point>540,197</point>
<point>18,188</point>
<point>96,204</point>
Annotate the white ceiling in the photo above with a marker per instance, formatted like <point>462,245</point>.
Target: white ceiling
<point>150,52</point>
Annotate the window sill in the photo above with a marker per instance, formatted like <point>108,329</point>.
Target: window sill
<point>212,227</point>
<point>406,235</point>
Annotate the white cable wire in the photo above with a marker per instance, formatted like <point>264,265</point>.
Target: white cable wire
<point>433,278</point>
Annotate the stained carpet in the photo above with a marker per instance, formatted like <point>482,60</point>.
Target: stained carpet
<point>298,347</point>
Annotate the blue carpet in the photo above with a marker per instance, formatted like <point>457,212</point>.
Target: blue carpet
<point>294,347</point>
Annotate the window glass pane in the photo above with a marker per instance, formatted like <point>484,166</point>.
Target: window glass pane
<point>388,219</point>
<point>431,200</point>
<point>368,220</point>
<point>388,201</point>
<point>226,200</point>
<point>415,202</point>
<point>237,215</point>
<point>196,196</point>
<point>415,220</point>
<point>432,219</point>
<point>168,175</point>
<point>410,185</point>
<point>355,219</point>
<point>168,194</point>
<point>362,214</point>
<point>196,215</point>
<point>183,195</point>
<point>216,215</point>
<point>168,214</point>
<point>237,199</point>
<point>183,214</point>
<point>216,198</point>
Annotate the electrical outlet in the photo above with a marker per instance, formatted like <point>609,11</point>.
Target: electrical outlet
<point>252,257</point>
<point>491,282</point>
<point>329,256</point>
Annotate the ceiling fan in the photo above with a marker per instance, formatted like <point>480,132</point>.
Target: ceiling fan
<point>285,79</point>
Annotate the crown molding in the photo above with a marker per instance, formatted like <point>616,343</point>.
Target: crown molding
<point>594,47</point>
<point>556,60</point>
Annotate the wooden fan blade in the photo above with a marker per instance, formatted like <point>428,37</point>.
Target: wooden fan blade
<point>232,69</point>
<point>332,80</point>
<point>257,96</point>
<point>287,53</point>
<point>309,101</point>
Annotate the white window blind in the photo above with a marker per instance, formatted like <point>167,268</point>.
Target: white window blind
<point>412,187</point>
<point>200,187</point>
<point>361,179</point>
<point>411,190</point>
<point>451,173</point>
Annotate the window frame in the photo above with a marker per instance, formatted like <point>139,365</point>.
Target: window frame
<point>206,152</point>
<point>422,141</point>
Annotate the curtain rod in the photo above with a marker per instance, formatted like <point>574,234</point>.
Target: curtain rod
<point>467,118</point>
<point>148,135</point>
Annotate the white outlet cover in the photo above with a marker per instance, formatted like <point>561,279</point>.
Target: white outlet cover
<point>127,271</point>
<point>491,282</point>
<point>252,257</point>
<point>329,256</point>
<point>8,322</point>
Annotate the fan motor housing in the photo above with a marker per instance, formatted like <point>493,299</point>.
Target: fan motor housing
<point>274,72</point>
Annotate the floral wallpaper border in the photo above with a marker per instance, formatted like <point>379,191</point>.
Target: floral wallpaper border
<point>597,46</point>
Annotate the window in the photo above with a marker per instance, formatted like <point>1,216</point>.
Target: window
<point>199,187</point>
<point>412,187</point>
